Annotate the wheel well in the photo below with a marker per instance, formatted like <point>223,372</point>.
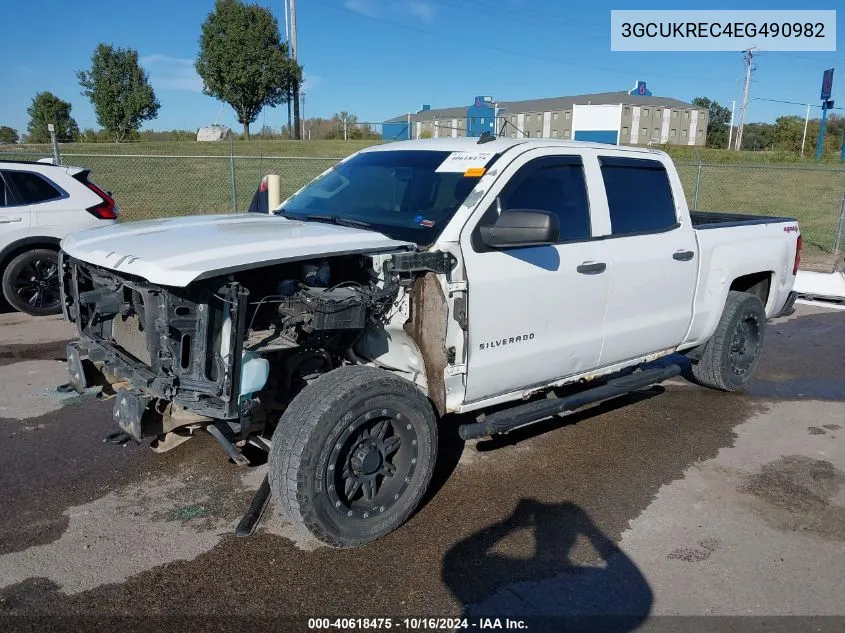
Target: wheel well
<point>755,284</point>
<point>25,245</point>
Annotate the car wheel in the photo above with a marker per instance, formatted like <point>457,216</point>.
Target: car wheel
<point>729,358</point>
<point>353,455</point>
<point>31,282</point>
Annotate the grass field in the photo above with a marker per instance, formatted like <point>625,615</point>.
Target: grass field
<point>255,147</point>
<point>157,179</point>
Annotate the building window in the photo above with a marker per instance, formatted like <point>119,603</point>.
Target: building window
<point>656,133</point>
<point>686,114</point>
<point>658,112</point>
<point>536,135</point>
<point>626,110</point>
<point>699,134</point>
<point>624,131</point>
<point>567,115</point>
<point>513,134</point>
<point>674,114</point>
<point>672,133</point>
<point>643,133</point>
<point>566,134</point>
<point>482,120</point>
<point>554,116</point>
<point>539,117</point>
<point>645,111</point>
<point>683,133</point>
<point>554,133</point>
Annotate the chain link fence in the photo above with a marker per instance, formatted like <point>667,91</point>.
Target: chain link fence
<point>157,185</point>
<point>815,195</point>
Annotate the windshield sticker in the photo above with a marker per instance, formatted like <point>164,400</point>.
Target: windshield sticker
<point>461,161</point>
<point>427,223</point>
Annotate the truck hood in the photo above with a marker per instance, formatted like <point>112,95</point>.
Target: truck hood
<point>177,251</point>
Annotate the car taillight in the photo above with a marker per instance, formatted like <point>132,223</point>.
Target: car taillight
<point>106,210</point>
<point>798,245</point>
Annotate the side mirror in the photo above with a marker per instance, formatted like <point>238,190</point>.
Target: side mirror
<point>522,227</point>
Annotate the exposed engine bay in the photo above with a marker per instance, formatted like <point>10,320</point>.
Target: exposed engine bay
<point>233,351</point>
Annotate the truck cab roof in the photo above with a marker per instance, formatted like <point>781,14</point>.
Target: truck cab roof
<point>501,144</point>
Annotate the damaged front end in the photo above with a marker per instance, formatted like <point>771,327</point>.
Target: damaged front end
<point>155,343</point>
<point>229,353</point>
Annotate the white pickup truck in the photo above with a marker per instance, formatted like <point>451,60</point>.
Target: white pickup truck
<point>412,281</point>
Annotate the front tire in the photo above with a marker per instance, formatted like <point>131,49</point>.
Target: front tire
<point>729,358</point>
<point>31,282</point>
<point>353,455</point>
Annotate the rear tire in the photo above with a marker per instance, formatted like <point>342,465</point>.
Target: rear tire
<point>31,282</point>
<point>353,455</point>
<point>729,358</point>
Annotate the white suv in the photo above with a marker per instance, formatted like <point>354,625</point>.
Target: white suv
<point>41,203</point>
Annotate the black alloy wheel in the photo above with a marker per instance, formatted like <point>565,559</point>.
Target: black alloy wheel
<point>371,463</point>
<point>31,282</point>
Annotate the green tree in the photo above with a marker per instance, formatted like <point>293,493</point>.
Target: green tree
<point>788,133</point>
<point>8,134</point>
<point>243,61</point>
<point>718,120</point>
<point>758,136</point>
<point>48,108</point>
<point>119,91</point>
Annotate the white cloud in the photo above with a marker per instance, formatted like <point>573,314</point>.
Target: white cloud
<point>420,9</point>
<point>172,73</point>
<point>384,8</point>
<point>364,7</point>
<point>309,82</point>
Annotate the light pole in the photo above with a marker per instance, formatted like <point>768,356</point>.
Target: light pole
<point>302,113</point>
<point>804,137</point>
<point>731,127</point>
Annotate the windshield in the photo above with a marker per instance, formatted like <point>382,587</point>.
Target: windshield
<point>399,193</point>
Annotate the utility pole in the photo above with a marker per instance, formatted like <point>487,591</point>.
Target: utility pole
<point>749,68</point>
<point>804,138</point>
<point>296,122</point>
<point>731,127</point>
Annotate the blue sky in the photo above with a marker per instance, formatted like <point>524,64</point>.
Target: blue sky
<point>380,58</point>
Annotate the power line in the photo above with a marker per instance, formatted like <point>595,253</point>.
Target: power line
<point>614,71</point>
<point>511,18</point>
<point>816,62</point>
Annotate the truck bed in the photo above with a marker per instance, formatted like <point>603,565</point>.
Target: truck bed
<point>717,219</point>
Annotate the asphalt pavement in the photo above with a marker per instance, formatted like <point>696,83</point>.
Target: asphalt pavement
<point>661,507</point>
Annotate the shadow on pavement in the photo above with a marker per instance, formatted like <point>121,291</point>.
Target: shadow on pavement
<point>547,589</point>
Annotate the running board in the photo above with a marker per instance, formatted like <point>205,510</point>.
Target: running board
<point>510,419</point>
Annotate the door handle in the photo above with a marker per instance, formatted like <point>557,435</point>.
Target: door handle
<point>591,268</point>
<point>683,256</point>
<point>10,220</point>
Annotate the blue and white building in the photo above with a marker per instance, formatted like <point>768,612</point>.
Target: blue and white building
<point>632,117</point>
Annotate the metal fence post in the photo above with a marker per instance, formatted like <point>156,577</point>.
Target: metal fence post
<point>697,182</point>
<point>232,177</point>
<point>840,227</point>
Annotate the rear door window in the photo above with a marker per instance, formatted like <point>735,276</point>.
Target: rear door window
<point>639,196</point>
<point>33,188</point>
